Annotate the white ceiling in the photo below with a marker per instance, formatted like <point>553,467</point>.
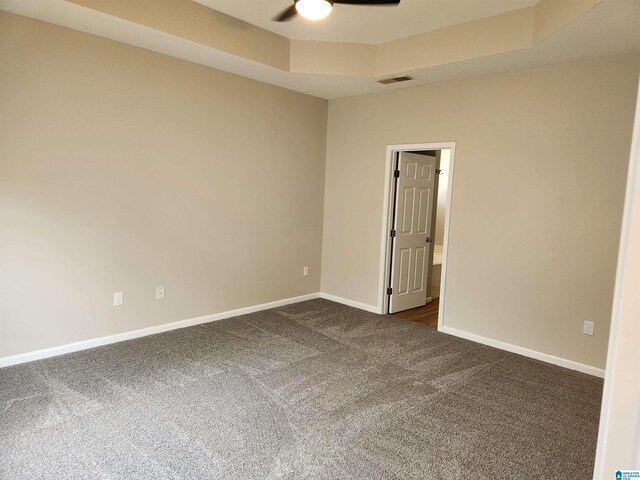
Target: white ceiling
<point>376,24</point>
<point>607,29</point>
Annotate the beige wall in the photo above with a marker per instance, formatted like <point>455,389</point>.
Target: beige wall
<point>537,196</point>
<point>122,169</point>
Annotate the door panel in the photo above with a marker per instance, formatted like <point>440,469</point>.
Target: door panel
<point>418,269</point>
<point>413,244</point>
<point>424,205</point>
<point>405,271</point>
<point>407,217</point>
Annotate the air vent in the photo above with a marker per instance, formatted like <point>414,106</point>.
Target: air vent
<point>403,78</point>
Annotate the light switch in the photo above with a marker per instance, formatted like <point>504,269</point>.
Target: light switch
<point>118,299</point>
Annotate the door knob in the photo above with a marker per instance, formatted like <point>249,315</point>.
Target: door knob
<point>429,240</point>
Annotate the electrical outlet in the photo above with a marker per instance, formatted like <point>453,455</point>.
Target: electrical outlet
<point>118,299</point>
<point>587,329</point>
<point>159,293</point>
<point>305,271</point>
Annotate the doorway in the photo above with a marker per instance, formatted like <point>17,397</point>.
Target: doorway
<point>415,231</point>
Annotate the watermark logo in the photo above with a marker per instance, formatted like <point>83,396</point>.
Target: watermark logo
<point>628,475</point>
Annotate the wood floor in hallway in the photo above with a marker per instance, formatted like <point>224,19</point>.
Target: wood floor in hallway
<point>427,315</point>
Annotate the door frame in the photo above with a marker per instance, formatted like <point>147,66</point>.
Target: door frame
<point>387,218</point>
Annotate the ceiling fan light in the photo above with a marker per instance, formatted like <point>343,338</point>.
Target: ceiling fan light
<point>314,9</point>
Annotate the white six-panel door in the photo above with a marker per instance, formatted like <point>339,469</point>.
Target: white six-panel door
<point>413,241</point>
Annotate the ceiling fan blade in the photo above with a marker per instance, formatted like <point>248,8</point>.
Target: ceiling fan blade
<point>368,2</point>
<point>287,14</point>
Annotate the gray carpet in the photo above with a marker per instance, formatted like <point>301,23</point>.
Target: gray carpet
<point>314,390</point>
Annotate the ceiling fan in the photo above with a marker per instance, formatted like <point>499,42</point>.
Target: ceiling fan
<point>319,9</point>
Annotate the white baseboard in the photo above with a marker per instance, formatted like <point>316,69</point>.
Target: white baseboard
<point>545,357</point>
<point>120,337</point>
<point>350,303</point>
